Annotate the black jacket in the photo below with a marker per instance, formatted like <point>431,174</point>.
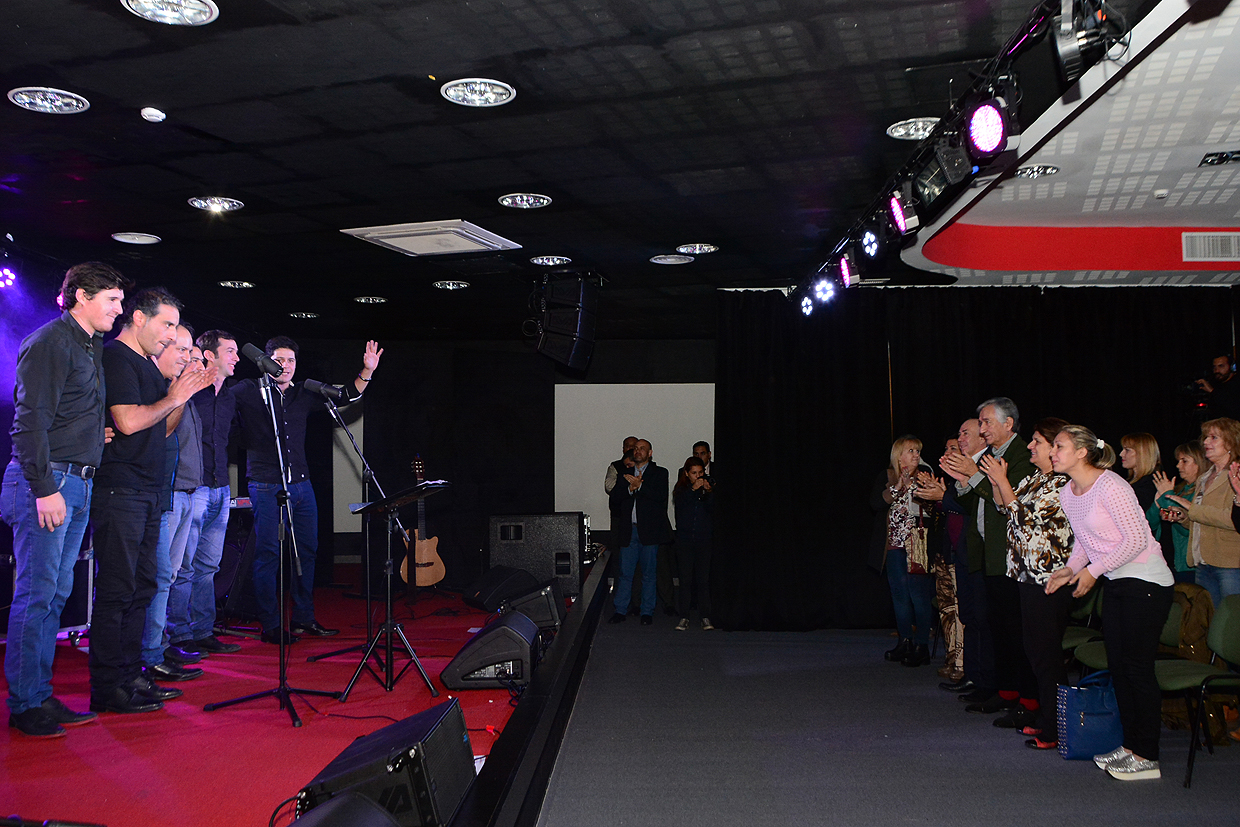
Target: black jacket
<point>653,527</point>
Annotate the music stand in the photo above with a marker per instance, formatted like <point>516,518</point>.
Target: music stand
<point>388,507</point>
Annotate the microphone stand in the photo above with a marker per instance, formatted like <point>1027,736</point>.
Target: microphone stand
<point>284,514</point>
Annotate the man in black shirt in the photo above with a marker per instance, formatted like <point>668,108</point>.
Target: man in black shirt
<point>144,409</point>
<point>58,438</point>
<point>1223,387</point>
<point>293,405</point>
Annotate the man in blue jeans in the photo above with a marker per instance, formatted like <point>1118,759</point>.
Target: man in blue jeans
<point>639,524</point>
<point>58,436</point>
<point>293,405</point>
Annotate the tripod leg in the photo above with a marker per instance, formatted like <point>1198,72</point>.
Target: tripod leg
<point>416,662</point>
<point>344,696</point>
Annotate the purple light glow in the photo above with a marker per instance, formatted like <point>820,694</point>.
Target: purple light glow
<point>6,277</point>
<point>986,129</point>
<point>897,214</point>
<point>845,272</point>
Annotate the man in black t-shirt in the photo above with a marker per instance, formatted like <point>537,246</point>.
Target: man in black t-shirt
<point>143,408</point>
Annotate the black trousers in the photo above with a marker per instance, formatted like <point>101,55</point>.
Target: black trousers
<point>126,534</point>
<point>693,559</point>
<point>1136,611</point>
<point>1044,617</point>
<point>1012,670</point>
<point>979,647</point>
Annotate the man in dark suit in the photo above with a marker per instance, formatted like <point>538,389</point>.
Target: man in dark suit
<point>639,524</point>
<point>986,532</point>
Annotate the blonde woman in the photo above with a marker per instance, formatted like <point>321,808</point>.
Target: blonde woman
<point>911,594</point>
<point>1213,544</point>
<point>1140,458</point>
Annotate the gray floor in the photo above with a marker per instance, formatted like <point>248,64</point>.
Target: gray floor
<point>719,728</point>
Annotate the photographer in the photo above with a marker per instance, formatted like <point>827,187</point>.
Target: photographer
<point>1222,388</point>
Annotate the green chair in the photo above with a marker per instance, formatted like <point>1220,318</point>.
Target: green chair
<point>1202,679</point>
<point>1093,654</point>
<point>1087,609</point>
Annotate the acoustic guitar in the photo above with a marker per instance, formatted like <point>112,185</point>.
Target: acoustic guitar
<point>428,567</point>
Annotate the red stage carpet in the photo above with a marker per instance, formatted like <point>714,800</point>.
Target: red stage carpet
<point>234,766</point>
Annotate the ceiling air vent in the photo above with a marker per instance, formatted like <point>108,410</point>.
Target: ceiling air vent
<point>1211,246</point>
<point>434,238</point>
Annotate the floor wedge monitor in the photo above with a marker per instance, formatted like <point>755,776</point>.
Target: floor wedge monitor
<point>502,654</point>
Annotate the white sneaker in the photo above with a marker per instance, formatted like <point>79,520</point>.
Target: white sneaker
<point>1131,768</point>
<point>683,625</point>
<point>1108,758</point>
<point>706,627</point>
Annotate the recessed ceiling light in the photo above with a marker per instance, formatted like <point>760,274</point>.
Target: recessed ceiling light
<point>237,285</point>
<point>478,92</point>
<point>671,259</point>
<point>1036,171</point>
<point>174,12</point>
<point>137,238</point>
<point>524,200</point>
<point>550,261</point>
<point>370,300</point>
<point>302,315</point>
<point>150,113</point>
<point>216,203</point>
<point>697,249</point>
<point>47,100</point>
<point>913,129</point>
<point>451,285</point>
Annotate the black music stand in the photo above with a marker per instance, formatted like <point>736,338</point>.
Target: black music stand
<point>390,627</point>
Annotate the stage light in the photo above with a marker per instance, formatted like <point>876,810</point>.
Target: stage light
<point>986,128</point>
<point>903,215</point>
<point>824,290</point>
<point>870,243</point>
<point>7,277</point>
<point>846,268</point>
<point>1084,31</point>
<point>807,305</point>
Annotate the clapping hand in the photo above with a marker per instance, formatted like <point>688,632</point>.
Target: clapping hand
<point>929,487</point>
<point>1233,476</point>
<point>1161,484</point>
<point>995,468</point>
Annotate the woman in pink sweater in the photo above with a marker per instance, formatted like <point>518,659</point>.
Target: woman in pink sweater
<point>1113,539</point>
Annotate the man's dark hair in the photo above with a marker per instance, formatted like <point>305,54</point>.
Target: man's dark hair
<point>276,342</point>
<point>94,277</point>
<point>703,443</point>
<point>148,300</point>
<point>210,340</point>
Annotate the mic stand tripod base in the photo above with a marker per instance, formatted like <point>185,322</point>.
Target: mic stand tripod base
<point>283,694</point>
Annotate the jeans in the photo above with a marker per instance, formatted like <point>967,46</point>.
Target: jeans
<point>630,556</point>
<point>267,517</point>
<point>1135,613</point>
<point>1219,582</point>
<point>174,560</point>
<point>191,603</point>
<point>42,582</point>
<point>912,598</point>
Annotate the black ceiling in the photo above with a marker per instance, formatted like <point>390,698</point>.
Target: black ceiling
<point>756,125</point>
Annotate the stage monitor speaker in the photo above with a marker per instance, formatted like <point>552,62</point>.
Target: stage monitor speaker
<point>497,585</point>
<point>544,606</point>
<point>234,589</point>
<point>348,810</point>
<point>418,769</point>
<point>548,546</point>
<point>502,654</point>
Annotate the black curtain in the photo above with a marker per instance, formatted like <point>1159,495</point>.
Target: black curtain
<point>806,409</point>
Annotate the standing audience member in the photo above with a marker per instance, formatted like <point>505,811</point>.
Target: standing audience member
<point>616,469</point>
<point>695,504</point>
<point>911,592</point>
<point>1113,539</point>
<point>1213,544</point>
<point>1223,388</point>
<point>1190,462</point>
<point>701,450</point>
<point>1039,543</point>
<point>58,439</point>
<point>639,524</point>
<point>1141,459</point>
<point>125,510</point>
<point>950,531</point>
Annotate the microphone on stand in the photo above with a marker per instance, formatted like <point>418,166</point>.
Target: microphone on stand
<point>327,391</point>
<point>265,363</point>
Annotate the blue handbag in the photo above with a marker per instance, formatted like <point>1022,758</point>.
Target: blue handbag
<point>1088,718</point>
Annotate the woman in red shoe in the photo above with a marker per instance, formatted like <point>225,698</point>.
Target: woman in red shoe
<point>1112,539</point>
<point>1039,543</point>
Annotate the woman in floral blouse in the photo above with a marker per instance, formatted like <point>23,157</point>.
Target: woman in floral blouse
<point>911,593</point>
<point>1039,542</point>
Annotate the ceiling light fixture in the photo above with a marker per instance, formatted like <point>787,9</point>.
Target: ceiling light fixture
<point>524,200</point>
<point>47,100</point>
<point>807,305</point>
<point>216,203</point>
<point>1036,171</point>
<point>1084,32</point>
<point>478,92</point>
<point>6,277</point>
<point>869,243</point>
<point>903,214</point>
<point>150,113</point>
<point>697,249</point>
<point>450,284</point>
<point>237,285</point>
<point>370,300</point>
<point>824,290</point>
<point>986,128</point>
<point>136,238</point>
<point>913,129</point>
<point>174,12</point>
<point>671,259</point>
<point>301,314</point>
<point>551,261</point>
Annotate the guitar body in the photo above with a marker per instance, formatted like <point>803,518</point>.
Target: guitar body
<point>427,565</point>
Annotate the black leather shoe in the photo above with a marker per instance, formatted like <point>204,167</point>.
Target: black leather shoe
<point>65,716</point>
<point>274,637</point>
<point>147,688</point>
<point>35,723</point>
<point>919,655</point>
<point>990,706</point>
<point>976,696</point>
<point>312,629</point>
<point>175,654</point>
<point>1016,718</point>
<point>124,700</point>
<point>618,617</point>
<point>647,620</point>
<point>172,672</point>
<point>213,645</point>
<point>900,652</point>
<point>962,685</point>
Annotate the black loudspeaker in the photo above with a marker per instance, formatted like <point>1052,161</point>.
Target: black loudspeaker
<point>548,546</point>
<point>418,770</point>
<point>497,585</point>
<point>503,653</point>
<point>234,590</point>
<point>566,331</point>
<point>348,810</point>
<point>544,606</point>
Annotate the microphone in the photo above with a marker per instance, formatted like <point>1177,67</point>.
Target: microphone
<point>327,391</point>
<point>265,363</point>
